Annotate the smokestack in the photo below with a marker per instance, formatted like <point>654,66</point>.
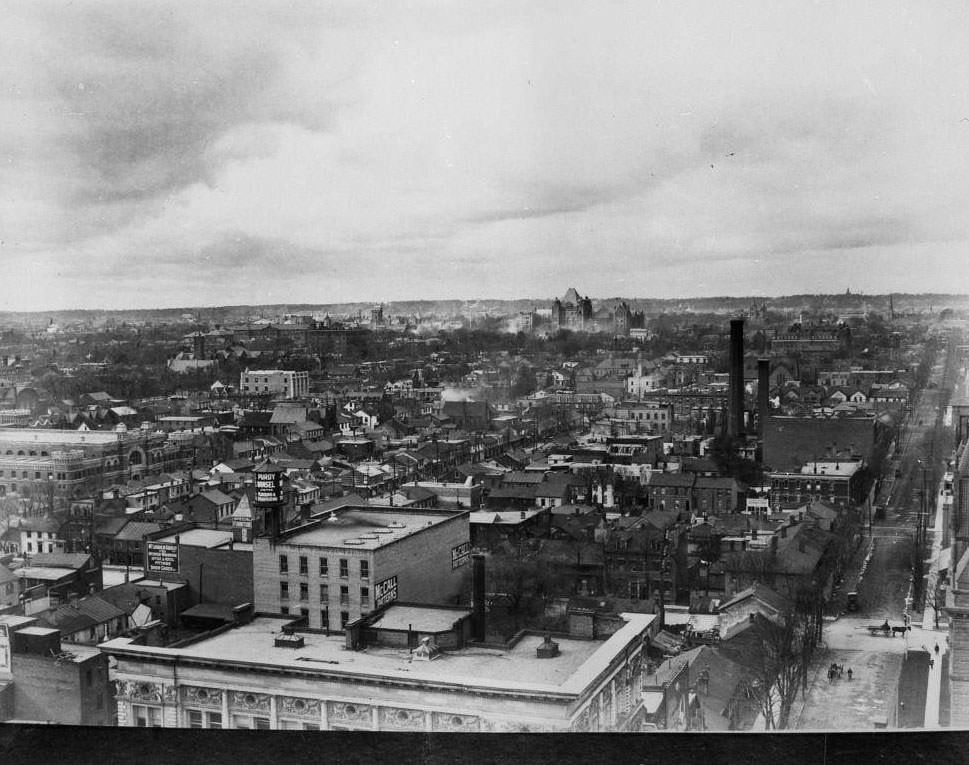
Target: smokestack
<point>763,394</point>
<point>735,415</point>
<point>478,597</point>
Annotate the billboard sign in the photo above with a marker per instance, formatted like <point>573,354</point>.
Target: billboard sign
<point>269,488</point>
<point>758,504</point>
<point>385,591</point>
<point>460,555</point>
<point>162,557</point>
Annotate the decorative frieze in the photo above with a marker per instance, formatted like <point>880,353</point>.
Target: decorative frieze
<point>249,702</point>
<point>341,712</point>
<point>143,692</point>
<point>202,697</point>
<point>410,719</point>
<point>291,706</point>
<point>455,723</point>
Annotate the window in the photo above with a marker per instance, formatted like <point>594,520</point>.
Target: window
<point>344,618</point>
<point>344,568</point>
<point>303,565</point>
<point>324,567</point>
<point>245,722</point>
<point>284,590</point>
<point>283,564</point>
<point>146,717</point>
<point>304,591</point>
<point>199,719</point>
<point>297,725</point>
<point>365,597</point>
<point>344,596</point>
<point>324,593</point>
<point>364,569</point>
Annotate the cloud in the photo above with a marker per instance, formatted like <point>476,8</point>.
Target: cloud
<point>171,149</point>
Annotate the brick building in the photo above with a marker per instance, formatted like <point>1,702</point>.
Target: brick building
<point>256,675</point>
<point>355,559</point>
<point>279,383</point>
<point>74,463</point>
<point>41,681</point>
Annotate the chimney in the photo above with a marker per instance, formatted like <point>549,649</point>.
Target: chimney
<point>763,394</point>
<point>735,415</point>
<point>478,597</point>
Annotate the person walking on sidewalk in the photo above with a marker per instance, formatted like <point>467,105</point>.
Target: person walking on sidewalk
<point>849,673</point>
<point>936,649</point>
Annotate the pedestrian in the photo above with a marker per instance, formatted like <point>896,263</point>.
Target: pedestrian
<point>931,663</point>
<point>936,649</point>
<point>849,673</point>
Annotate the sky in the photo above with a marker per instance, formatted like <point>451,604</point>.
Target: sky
<point>163,154</point>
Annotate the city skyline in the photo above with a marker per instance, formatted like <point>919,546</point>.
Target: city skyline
<point>227,154</point>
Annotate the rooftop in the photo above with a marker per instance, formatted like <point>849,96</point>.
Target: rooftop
<point>514,669</point>
<point>199,538</point>
<point>419,618</point>
<point>363,528</point>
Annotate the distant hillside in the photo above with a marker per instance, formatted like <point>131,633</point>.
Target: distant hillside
<point>903,302</point>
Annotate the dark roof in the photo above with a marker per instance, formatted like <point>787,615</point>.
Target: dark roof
<point>522,478</point>
<point>761,592</point>
<point>83,614</point>
<point>60,560</point>
<point>671,479</point>
<point>135,530</point>
<point>790,442</point>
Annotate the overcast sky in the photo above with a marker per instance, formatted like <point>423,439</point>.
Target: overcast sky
<point>202,153</point>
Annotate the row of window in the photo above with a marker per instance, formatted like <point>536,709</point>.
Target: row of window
<point>324,564</point>
<point>324,616</point>
<point>151,717</point>
<point>304,593</point>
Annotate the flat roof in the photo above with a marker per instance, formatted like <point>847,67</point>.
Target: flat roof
<point>112,575</point>
<point>54,436</point>
<point>13,620</point>
<point>833,467</point>
<point>199,538</point>
<point>363,528</point>
<point>579,663</point>
<point>418,618</point>
<point>44,572</point>
<point>159,583</point>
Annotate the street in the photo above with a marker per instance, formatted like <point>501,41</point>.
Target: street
<point>894,683</point>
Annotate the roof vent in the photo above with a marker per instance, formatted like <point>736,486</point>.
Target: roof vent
<point>395,525</point>
<point>289,640</point>
<point>426,651</point>
<point>549,649</point>
<point>353,541</point>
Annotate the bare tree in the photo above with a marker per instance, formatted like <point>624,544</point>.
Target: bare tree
<point>936,601</point>
<point>787,646</point>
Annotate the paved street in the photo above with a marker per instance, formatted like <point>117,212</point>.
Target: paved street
<point>893,682</point>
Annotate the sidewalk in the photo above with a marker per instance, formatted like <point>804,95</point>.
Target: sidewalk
<point>932,578</point>
<point>919,640</point>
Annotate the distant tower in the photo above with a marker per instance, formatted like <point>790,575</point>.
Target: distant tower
<point>198,345</point>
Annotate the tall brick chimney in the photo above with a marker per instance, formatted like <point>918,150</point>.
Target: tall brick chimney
<point>763,394</point>
<point>735,412</point>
